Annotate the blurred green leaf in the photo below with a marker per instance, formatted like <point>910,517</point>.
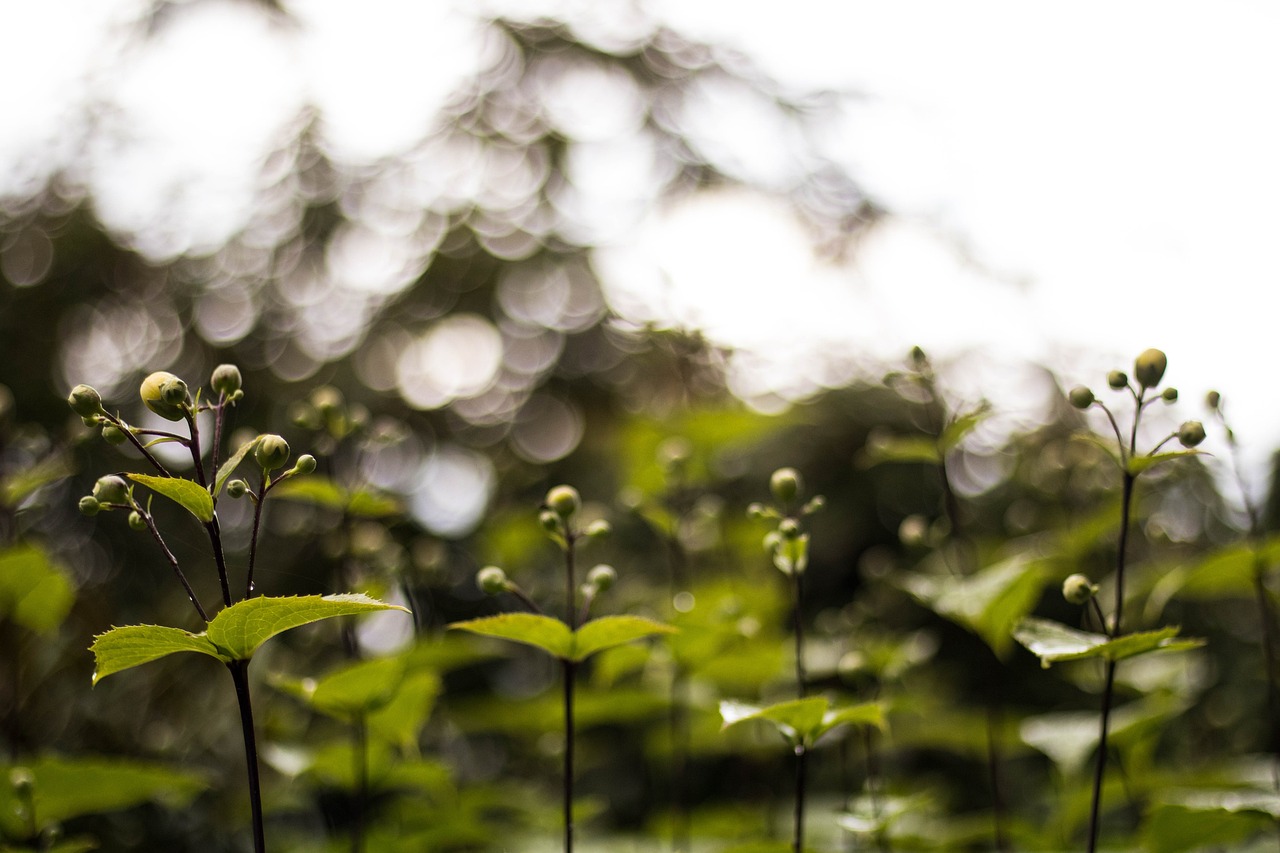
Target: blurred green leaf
<point>961,426</point>
<point>21,484</point>
<point>233,462</point>
<point>1053,642</point>
<point>323,492</point>
<point>188,494</point>
<point>34,591</point>
<point>550,635</point>
<point>803,721</point>
<point>882,448</point>
<point>67,788</point>
<point>352,690</point>
<point>1138,464</point>
<point>1204,819</point>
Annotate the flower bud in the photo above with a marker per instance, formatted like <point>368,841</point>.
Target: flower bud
<point>1149,367</point>
<point>1118,379</point>
<point>756,510</point>
<point>226,379</point>
<point>1213,400</point>
<point>1191,433</point>
<point>549,521</point>
<point>136,521</point>
<point>112,434</point>
<point>271,453</point>
<point>306,464</point>
<point>918,357</point>
<point>85,401</point>
<point>598,528</point>
<point>1078,589</point>
<point>564,501</point>
<point>789,528</point>
<point>166,395</point>
<point>1081,397</point>
<point>237,488</point>
<point>111,490</point>
<point>1169,395</point>
<point>602,577</point>
<point>785,485</point>
<point>22,780</point>
<point>89,505</point>
<point>326,399</point>
<point>492,580</point>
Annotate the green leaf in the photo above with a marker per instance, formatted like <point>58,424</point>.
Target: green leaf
<point>890,448</point>
<point>351,691</point>
<point>550,635</point>
<point>609,631</point>
<point>124,648</point>
<point>240,629</point>
<point>233,461</point>
<point>1203,819</point>
<point>66,788</point>
<point>191,495</point>
<point>1053,642</point>
<point>323,492</point>
<point>803,721</point>
<point>990,602</point>
<point>961,426</point>
<point>34,592</point>
<point>21,484</point>
<point>1138,464</point>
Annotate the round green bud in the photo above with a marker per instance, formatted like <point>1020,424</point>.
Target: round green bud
<point>789,528</point>
<point>1169,395</point>
<point>166,395</point>
<point>111,490</point>
<point>306,464</point>
<point>564,501</point>
<point>85,401</point>
<point>918,357</point>
<point>674,452</point>
<point>326,399</point>
<point>598,528</point>
<point>1081,397</point>
<point>1148,368</point>
<point>492,580</point>
<point>136,521</point>
<point>1213,400</point>
<point>785,485</point>
<point>226,379</point>
<point>1078,589</point>
<point>602,577</point>
<point>89,505</point>
<point>22,781</point>
<point>549,521</point>
<point>1191,433</point>
<point>237,488</point>
<point>93,421</point>
<point>1118,379</point>
<point>756,510</point>
<point>112,434</point>
<point>271,453</point>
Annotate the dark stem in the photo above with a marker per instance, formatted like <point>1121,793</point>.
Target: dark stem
<point>240,675</point>
<point>253,537</point>
<point>360,754</point>
<point>800,673</point>
<point>173,561</point>
<point>215,539</point>
<point>13,725</point>
<point>993,771</point>
<point>1099,769</point>
<point>569,671</point>
<point>139,446</point>
<point>681,743</point>
<point>797,832</point>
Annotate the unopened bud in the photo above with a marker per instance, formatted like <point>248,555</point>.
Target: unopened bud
<point>85,401</point>
<point>1081,397</point>
<point>111,490</point>
<point>226,379</point>
<point>492,580</point>
<point>1078,589</point>
<point>166,395</point>
<point>598,528</point>
<point>789,528</point>
<point>112,434</point>
<point>1191,433</point>
<point>1118,379</point>
<point>602,577</point>
<point>1149,367</point>
<point>271,453</point>
<point>1169,395</point>
<point>785,485</point>
<point>564,501</point>
<point>237,488</point>
<point>89,505</point>
<point>1213,400</point>
<point>306,464</point>
<point>136,521</point>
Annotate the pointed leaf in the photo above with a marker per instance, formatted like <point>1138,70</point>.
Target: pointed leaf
<point>1053,642</point>
<point>609,631</point>
<point>18,485</point>
<point>962,426</point>
<point>550,635</point>
<point>240,629</point>
<point>797,720</point>
<point>34,592</point>
<point>191,495</point>
<point>124,648</point>
<point>862,714</point>
<point>233,461</point>
<point>1138,464</point>
<point>357,688</point>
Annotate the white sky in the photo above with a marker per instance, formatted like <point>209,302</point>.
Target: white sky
<point>1114,165</point>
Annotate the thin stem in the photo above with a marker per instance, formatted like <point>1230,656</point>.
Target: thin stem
<point>797,833</point>
<point>138,445</point>
<point>1115,428</point>
<point>240,675</point>
<point>797,578</point>
<point>173,562</point>
<point>1100,767</point>
<point>569,672</point>
<point>360,754</point>
<point>258,501</point>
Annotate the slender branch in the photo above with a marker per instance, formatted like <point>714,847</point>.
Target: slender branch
<point>240,675</point>
<point>138,445</point>
<point>258,500</point>
<point>360,754</point>
<point>173,562</point>
<point>797,834</point>
<point>1099,770</point>
<point>569,672</point>
<point>801,677</point>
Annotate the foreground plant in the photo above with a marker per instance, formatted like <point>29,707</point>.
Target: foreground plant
<point>804,720</point>
<point>1052,641</point>
<point>573,639</point>
<point>244,622</point>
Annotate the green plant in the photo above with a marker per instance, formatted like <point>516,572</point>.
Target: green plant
<point>1053,642</point>
<point>235,632</point>
<point>573,639</point>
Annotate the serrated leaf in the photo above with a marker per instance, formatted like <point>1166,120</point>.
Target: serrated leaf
<point>1053,642</point>
<point>233,462</point>
<point>240,629</point>
<point>133,645</point>
<point>194,497</point>
<point>1138,464</point>
<point>544,632</point>
<point>609,631</point>
<point>66,788</point>
<point>34,592</point>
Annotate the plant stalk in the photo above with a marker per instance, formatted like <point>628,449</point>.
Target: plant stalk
<point>797,835</point>
<point>569,672</point>
<point>240,675</point>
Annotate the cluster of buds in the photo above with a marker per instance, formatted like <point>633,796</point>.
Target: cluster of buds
<point>326,411</point>
<point>271,452</point>
<point>113,492</point>
<point>559,518</point>
<point>788,543</point>
<point>161,392</point>
<point>1148,371</point>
